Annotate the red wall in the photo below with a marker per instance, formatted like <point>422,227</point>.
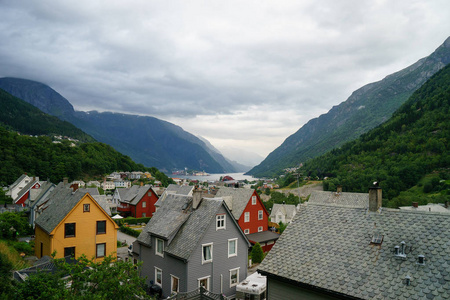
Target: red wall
<point>254,222</point>
<point>150,205</point>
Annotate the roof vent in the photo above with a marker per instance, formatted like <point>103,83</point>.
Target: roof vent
<point>421,259</point>
<point>408,280</point>
<point>400,251</point>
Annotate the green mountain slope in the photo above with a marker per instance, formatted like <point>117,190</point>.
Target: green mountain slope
<point>20,116</point>
<point>401,151</point>
<point>147,140</point>
<point>366,108</point>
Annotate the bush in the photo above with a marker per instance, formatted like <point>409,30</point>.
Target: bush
<point>24,247</point>
<point>129,231</point>
<point>132,221</point>
<point>257,253</point>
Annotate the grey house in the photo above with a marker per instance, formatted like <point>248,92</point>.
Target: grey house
<point>191,242</point>
<point>346,246</point>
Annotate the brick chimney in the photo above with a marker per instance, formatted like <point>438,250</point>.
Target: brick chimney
<point>74,187</point>
<point>339,189</point>
<point>415,204</point>
<point>375,197</point>
<point>197,197</point>
<point>65,180</point>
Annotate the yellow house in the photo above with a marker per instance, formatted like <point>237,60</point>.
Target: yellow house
<point>75,224</point>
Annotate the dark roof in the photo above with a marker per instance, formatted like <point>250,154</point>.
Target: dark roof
<point>343,199</point>
<point>61,201</point>
<point>328,246</point>
<point>26,188</point>
<point>181,225</point>
<point>239,199</point>
<point>175,189</point>
<point>18,180</point>
<point>44,264</point>
<point>262,237</point>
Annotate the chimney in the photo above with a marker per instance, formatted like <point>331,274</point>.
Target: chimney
<point>339,189</point>
<point>197,195</point>
<point>74,187</point>
<point>65,180</point>
<point>415,204</point>
<point>375,197</point>
<point>142,183</point>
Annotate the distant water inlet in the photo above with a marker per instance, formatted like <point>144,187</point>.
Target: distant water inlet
<point>215,177</point>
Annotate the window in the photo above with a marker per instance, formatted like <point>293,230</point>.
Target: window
<point>144,204</point>
<point>234,277</point>
<point>247,231</point>
<point>260,228</point>
<point>158,276</point>
<point>159,250</point>
<point>247,217</point>
<point>253,200</point>
<point>204,282</point>
<point>101,250</point>
<point>207,252</point>
<point>149,193</point>
<point>144,215</point>
<point>101,227</point>
<point>220,222</point>
<point>232,247</point>
<point>69,230</point>
<point>69,251</point>
<point>175,283</point>
<point>86,207</point>
<point>260,214</point>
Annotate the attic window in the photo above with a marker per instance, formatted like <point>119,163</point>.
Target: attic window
<point>377,239</point>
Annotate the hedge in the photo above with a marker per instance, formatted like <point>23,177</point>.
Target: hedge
<point>129,231</point>
<point>132,221</point>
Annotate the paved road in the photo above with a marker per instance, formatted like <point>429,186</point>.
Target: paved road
<point>125,238</point>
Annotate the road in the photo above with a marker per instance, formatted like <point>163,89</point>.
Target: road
<point>122,252</point>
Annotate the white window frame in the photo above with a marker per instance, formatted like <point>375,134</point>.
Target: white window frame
<point>253,200</point>
<point>221,221</point>
<point>246,231</point>
<point>247,217</point>
<point>235,247</point>
<point>260,214</point>
<point>237,277</point>
<point>144,204</point>
<point>205,261</point>
<point>207,281</point>
<point>260,228</point>
<point>171,284</point>
<point>156,276</point>
<point>159,253</point>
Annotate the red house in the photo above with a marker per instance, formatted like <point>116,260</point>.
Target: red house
<point>25,193</point>
<point>250,213</point>
<point>137,201</point>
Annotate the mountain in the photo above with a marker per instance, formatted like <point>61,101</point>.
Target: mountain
<point>400,152</point>
<point>366,108</point>
<point>146,140</point>
<point>25,118</point>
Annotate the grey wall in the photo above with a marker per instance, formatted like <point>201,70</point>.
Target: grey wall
<point>280,290</point>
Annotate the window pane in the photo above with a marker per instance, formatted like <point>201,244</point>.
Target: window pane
<point>174,284</point>
<point>69,229</point>
<point>232,247</point>
<point>207,252</point>
<point>101,250</point>
<point>69,251</point>
<point>101,227</point>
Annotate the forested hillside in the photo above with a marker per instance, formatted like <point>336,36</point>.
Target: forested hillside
<point>23,117</point>
<point>398,153</point>
<point>365,109</point>
<point>39,156</point>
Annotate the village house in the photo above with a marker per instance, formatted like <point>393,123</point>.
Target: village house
<point>17,186</point>
<point>73,223</point>
<point>282,213</point>
<point>345,245</point>
<point>191,242</point>
<point>175,189</point>
<point>250,213</point>
<point>137,201</point>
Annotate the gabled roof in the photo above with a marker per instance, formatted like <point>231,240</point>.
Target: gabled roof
<point>134,194</point>
<point>26,188</point>
<point>92,191</point>
<point>19,180</point>
<point>61,201</point>
<point>181,225</point>
<point>239,199</point>
<point>180,189</point>
<point>263,236</point>
<point>328,247</point>
<point>45,188</point>
<point>286,209</point>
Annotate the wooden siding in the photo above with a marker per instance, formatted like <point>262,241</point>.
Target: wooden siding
<point>254,223</point>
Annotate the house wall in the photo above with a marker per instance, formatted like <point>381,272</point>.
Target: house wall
<point>281,290</point>
<point>150,201</point>
<point>42,237</point>
<point>219,268</point>
<point>22,199</point>
<point>86,236</point>
<point>254,222</point>
<point>168,264</point>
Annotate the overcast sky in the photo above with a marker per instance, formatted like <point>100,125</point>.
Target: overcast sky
<point>242,74</point>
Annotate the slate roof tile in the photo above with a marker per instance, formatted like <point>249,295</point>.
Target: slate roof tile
<point>239,197</point>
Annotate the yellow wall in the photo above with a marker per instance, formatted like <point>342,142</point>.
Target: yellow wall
<point>42,237</point>
<point>86,238</point>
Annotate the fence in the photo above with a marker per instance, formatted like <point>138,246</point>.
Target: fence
<point>199,294</point>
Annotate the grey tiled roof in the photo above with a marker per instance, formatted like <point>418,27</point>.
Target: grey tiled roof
<point>340,199</point>
<point>329,247</point>
<point>134,194</point>
<point>26,188</point>
<point>239,197</point>
<point>18,180</point>
<point>182,228</point>
<point>92,191</point>
<point>180,189</point>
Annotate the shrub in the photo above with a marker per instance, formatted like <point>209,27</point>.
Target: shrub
<point>257,253</point>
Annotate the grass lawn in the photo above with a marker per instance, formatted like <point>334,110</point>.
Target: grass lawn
<point>13,256</point>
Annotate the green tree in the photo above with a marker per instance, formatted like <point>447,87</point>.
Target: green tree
<point>257,253</point>
<point>6,268</point>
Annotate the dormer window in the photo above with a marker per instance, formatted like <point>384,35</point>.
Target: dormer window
<point>220,221</point>
<point>159,249</point>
